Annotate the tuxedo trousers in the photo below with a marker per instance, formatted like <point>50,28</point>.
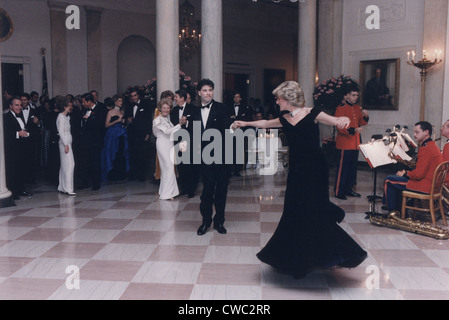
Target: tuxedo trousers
<point>215,179</point>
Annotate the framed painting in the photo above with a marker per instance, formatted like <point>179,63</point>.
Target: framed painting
<point>6,26</point>
<point>379,84</point>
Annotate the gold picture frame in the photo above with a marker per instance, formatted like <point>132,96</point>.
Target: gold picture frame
<point>379,84</point>
<point>6,25</point>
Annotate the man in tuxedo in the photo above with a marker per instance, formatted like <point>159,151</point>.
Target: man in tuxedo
<point>91,141</point>
<point>242,112</point>
<point>33,126</point>
<point>214,170</point>
<point>138,115</point>
<point>16,139</point>
<point>188,172</point>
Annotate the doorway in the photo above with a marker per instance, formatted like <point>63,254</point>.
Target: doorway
<point>236,82</point>
<point>12,78</point>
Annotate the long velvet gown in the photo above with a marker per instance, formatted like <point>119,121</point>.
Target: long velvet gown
<point>115,153</point>
<point>308,235</point>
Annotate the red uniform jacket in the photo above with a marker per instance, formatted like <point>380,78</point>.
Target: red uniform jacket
<point>429,157</point>
<point>348,139</point>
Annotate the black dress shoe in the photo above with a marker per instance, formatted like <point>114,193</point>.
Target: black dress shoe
<point>342,197</point>
<point>353,194</point>
<point>16,197</point>
<point>191,195</point>
<point>220,229</point>
<point>26,194</point>
<point>202,229</point>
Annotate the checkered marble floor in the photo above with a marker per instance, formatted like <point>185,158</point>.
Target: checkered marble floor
<point>127,244</point>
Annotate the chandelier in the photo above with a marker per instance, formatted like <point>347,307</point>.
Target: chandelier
<point>189,37</point>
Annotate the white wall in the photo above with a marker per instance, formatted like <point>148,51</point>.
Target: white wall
<point>401,30</point>
<point>31,33</point>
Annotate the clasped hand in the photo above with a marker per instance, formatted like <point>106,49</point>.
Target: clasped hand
<point>182,121</point>
<point>342,122</point>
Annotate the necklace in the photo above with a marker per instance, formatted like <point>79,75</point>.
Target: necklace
<point>293,114</point>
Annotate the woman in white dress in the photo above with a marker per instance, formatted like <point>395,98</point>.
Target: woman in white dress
<point>162,130</point>
<point>67,168</point>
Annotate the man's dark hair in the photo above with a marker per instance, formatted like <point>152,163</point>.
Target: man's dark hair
<point>205,82</point>
<point>182,93</point>
<point>88,97</point>
<point>425,126</point>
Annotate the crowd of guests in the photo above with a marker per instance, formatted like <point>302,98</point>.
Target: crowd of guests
<point>79,142</point>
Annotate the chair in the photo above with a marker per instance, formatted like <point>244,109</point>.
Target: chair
<point>446,199</point>
<point>428,202</point>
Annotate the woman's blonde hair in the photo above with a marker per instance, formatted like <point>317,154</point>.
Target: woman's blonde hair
<point>164,101</point>
<point>292,92</point>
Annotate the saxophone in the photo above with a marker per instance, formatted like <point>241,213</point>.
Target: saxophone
<point>408,163</point>
<point>392,220</point>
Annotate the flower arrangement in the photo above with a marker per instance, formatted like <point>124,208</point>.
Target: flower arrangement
<point>185,83</point>
<point>329,94</point>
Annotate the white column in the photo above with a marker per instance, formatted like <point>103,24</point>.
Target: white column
<point>6,199</point>
<point>212,44</point>
<point>167,45</point>
<point>307,48</point>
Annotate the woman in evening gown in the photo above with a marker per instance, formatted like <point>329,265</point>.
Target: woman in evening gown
<point>162,130</point>
<point>308,235</point>
<point>67,168</point>
<point>115,153</point>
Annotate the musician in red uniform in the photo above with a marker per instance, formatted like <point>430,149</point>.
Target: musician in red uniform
<point>418,179</point>
<point>347,143</point>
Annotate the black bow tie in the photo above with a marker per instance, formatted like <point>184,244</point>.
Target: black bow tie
<point>207,105</point>
<point>18,115</point>
<point>181,108</point>
<point>25,108</point>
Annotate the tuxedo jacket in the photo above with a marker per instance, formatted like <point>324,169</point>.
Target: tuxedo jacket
<point>14,147</point>
<point>245,113</point>
<point>189,109</point>
<point>32,127</point>
<point>93,128</point>
<point>429,157</point>
<point>142,123</point>
<point>219,119</point>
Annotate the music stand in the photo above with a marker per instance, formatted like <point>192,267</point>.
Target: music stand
<point>372,198</point>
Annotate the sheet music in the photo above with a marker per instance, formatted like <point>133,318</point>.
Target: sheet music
<point>399,152</point>
<point>401,142</point>
<point>376,153</point>
<point>407,137</point>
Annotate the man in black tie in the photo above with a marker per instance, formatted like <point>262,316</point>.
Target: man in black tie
<point>33,126</point>
<point>16,141</point>
<point>242,112</point>
<point>188,172</point>
<point>91,141</point>
<point>214,170</point>
<point>138,115</point>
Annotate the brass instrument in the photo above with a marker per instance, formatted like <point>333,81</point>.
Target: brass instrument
<point>392,220</point>
<point>409,163</point>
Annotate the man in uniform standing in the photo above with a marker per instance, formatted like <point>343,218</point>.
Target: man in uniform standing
<point>347,143</point>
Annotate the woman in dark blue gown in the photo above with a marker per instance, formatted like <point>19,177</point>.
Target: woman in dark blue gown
<point>115,154</point>
<point>308,235</point>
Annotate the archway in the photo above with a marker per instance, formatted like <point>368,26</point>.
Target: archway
<point>136,62</point>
